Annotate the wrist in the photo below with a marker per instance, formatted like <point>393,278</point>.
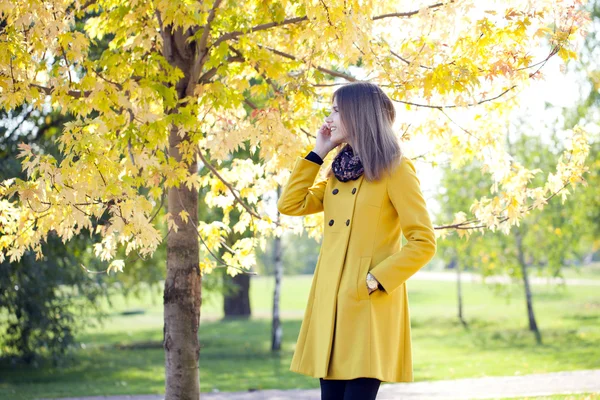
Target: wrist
<point>320,152</point>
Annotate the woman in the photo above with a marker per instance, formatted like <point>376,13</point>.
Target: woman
<point>356,328</point>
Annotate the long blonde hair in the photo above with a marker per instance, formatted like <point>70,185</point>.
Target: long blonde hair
<point>367,115</point>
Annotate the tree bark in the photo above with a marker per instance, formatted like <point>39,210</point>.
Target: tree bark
<point>277,329</point>
<point>183,292</point>
<point>528,296</point>
<point>236,304</point>
<point>183,285</point>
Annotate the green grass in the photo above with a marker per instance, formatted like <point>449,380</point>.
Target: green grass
<point>235,355</point>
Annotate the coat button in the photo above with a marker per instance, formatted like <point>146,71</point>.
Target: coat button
<point>335,191</point>
<point>347,222</point>
<point>330,222</point>
<point>353,190</point>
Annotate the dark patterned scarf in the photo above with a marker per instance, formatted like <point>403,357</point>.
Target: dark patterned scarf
<point>346,166</point>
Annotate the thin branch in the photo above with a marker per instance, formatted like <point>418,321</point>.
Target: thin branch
<point>463,129</point>
<point>296,20</point>
<point>325,70</point>
<point>410,13</point>
<point>126,261</point>
<point>463,225</point>
<point>206,28</point>
<point>82,204</point>
<point>250,104</point>
<point>454,105</point>
<point>326,12</point>
<point>85,213</point>
<point>217,258</point>
<point>543,62</point>
<point>328,84</point>
<point>229,186</point>
<point>406,61</point>
<point>101,76</point>
<point>406,129</point>
<point>32,226</point>
<point>31,208</point>
<point>74,93</point>
<point>262,27</point>
<point>205,78</point>
<point>162,202</point>
<point>308,134</point>
<point>68,65</point>
<point>201,50</point>
<point>90,271</point>
<point>256,68</point>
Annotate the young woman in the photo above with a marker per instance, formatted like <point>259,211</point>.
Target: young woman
<point>356,328</point>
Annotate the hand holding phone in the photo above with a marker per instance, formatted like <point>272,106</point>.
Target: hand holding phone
<point>324,144</point>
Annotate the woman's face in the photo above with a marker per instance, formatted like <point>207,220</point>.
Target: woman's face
<point>338,134</point>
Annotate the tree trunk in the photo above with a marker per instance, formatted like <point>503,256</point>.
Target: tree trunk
<point>236,303</point>
<point>528,297</point>
<point>589,257</point>
<point>182,295</point>
<point>277,330</point>
<point>459,293</point>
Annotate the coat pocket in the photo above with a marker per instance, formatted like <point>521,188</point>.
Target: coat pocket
<point>362,291</point>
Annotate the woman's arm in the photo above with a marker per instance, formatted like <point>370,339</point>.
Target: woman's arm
<point>301,196</point>
<point>405,194</point>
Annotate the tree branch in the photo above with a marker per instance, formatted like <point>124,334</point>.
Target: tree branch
<point>325,70</point>
<point>250,104</point>
<point>262,27</point>
<point>229,186</point>
<point>463,129</point>
<point>296,20</point>
<point>74,93</point>
<point>410,13</point>
<point>270,81</point>
<point>205,78</point>
<point>308,134</point>
<point>454,105</point>
<point>217,258</point>
<point>201,50</point>
<point>463,225</point>
<point>406,61</point>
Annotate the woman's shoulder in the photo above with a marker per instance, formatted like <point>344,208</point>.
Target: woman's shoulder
<point>402,170</point>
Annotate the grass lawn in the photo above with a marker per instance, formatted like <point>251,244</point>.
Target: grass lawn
<point>125,355</point>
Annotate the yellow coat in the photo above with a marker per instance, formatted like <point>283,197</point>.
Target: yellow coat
<point>347,333</point>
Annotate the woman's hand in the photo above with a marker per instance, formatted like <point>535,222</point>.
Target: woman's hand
<point>324,144</point>
<point>371,279</point>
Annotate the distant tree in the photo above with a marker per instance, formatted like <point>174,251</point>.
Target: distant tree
<point>48,300</point>
<point>545,242</point>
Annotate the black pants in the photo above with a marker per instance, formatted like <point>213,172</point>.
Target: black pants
<point>353,389</point>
